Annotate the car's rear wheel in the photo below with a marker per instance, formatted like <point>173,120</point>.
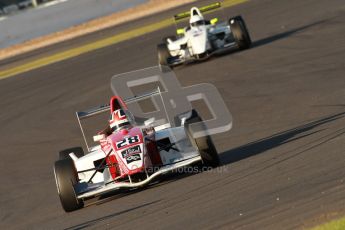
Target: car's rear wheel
<point>204,144</point>
<point>240,32</point>
<point>66,177</point>
<point>163,54</point>
<point>64,154</point>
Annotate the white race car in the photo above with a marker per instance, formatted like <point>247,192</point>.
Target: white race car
<point>202,37</point>
<point>129,153</point>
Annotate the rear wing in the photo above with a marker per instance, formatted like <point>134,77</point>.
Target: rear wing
<point>203,9</point>
<point>105,108</point>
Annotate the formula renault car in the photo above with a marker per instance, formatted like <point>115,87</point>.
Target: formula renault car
<point>130,153</point>
<point>203,38</point>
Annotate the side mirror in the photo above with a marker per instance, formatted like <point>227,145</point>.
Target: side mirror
<point>180,31</point>
<point>213,21</point>
<point>98,137</point>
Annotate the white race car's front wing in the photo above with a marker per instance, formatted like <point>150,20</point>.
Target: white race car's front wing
<point>186,58</point>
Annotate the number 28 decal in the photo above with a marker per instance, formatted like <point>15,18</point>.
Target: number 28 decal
<point>127,141</point>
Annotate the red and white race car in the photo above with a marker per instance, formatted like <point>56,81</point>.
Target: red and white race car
<point>129,153</point>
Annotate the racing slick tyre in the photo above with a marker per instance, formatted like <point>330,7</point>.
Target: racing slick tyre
<point>240,32</point>
<point>163,54</point>
<point>66,177</point>
<point>64,154</point>
<point>204,144</point>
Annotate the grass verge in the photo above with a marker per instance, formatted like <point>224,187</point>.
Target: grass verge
<point>338,224</point>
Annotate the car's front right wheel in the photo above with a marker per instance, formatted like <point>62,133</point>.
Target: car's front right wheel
<point>240,32</point>
<point>205,145</point>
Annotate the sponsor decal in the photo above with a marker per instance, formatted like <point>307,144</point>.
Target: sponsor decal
<point>132,158</point>
<point>132,154</point>
<point>196,34</point>
<point>130,151</point>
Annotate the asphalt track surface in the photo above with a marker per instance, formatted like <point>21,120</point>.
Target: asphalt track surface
<point>283,160</point>
<point>46,19</point>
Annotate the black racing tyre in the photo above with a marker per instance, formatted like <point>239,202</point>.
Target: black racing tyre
<point>66,177</point>
<point>64,154</point>
<point>204,144</point>
<point>163,54</point>
<point>240,32</point>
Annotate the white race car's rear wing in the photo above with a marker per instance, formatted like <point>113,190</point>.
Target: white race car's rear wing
<point>104,108</point>
<point>203,9</point>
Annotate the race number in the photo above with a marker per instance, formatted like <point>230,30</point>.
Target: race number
<point>127,141</point>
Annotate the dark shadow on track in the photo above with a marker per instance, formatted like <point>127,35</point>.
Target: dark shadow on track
<point>285,34</point>
<point>166,179</point>
<point>278,139</point>
<point>95,221</point>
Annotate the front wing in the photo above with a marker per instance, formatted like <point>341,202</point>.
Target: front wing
<point>85,190</point>
<point>174,61</point>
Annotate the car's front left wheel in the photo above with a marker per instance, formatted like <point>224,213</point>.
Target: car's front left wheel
<point>64,154</point>
<point>66,178</point>
<point>163,54</point>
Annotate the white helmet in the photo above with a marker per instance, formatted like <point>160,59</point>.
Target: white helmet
<point>196,20</point>
<point>196,17</point>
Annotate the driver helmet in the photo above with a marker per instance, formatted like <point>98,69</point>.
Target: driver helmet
<point>196,21</point>
<point>118,119</point>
